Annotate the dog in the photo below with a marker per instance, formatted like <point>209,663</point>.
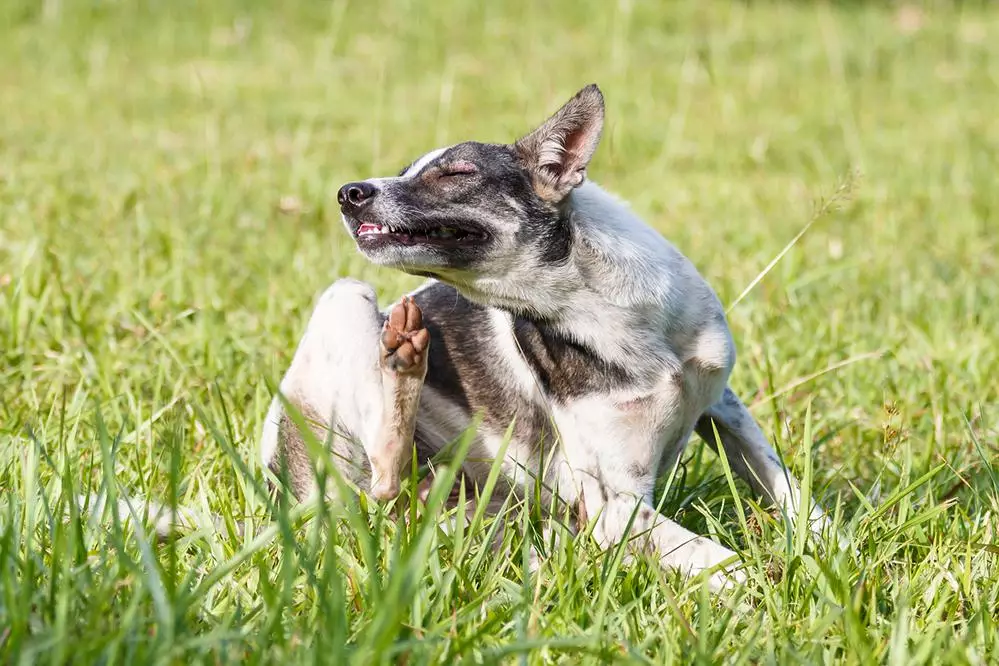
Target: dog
<point>548,305</point>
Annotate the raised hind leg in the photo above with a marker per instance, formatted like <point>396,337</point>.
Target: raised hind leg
<point>358,374</point>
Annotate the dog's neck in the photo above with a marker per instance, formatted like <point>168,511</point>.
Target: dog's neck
<point>615,290</point>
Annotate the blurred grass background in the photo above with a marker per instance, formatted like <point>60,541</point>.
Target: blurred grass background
<point>167,215</point>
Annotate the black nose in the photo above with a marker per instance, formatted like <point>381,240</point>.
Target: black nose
<point>354,196</point>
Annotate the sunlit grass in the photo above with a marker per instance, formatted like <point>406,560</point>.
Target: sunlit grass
<point>167,181</point>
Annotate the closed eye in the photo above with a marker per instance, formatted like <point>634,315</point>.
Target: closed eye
<point>458,169</point>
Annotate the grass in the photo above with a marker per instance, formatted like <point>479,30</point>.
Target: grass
<point>167,179</point>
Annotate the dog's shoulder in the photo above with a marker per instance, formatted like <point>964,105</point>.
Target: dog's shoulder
<point>660,297</point>
<point>623,258</point>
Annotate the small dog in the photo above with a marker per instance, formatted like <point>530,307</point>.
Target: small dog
<point>549,306</point>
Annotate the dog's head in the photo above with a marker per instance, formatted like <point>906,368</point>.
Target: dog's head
<point>477,209</point>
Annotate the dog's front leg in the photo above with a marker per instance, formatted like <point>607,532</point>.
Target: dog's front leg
<point>613,461</point>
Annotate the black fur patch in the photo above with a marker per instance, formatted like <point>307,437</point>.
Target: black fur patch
<point>638,470</point>
<point>566,368</point>
<point>463,369</point>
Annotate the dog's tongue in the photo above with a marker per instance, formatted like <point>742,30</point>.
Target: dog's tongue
<point>368,228</point>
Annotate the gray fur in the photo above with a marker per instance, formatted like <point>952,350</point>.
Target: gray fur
<point>553,306</point>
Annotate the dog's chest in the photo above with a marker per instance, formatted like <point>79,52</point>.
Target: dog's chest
<point>483,361</point>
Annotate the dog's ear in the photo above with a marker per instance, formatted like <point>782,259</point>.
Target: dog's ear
<point>557,153</point>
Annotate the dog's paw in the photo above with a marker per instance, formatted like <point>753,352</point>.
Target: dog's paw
<point>404,339</point>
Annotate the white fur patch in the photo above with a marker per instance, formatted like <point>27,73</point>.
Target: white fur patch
<point>714,349</point>
<point>269,436</point>
<point>522,379</point>
<point>418,165</point>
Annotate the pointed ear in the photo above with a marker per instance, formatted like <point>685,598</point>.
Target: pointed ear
<point>557,153</point>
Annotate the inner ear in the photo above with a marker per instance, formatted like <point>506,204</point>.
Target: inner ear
<point>557,153</point>
<point>573,149</point>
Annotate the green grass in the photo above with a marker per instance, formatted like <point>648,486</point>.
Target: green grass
<point>167,186</point>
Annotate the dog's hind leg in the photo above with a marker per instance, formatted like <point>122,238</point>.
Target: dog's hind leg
<point>356,377</point>
<point>751,456</point>
<point>611,468</point>
<point>403,365</point>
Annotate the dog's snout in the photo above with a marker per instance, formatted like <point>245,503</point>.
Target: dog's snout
<point>353,196</point>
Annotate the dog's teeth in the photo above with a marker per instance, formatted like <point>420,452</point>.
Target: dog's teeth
<point>370,230</point>
<point>437,233</point>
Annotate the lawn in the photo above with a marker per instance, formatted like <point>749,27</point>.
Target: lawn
<point>167,216</point>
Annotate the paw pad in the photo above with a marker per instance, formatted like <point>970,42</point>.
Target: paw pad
<point>404,339</point>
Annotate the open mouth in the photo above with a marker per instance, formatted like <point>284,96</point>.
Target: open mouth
<point>442,234</point>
